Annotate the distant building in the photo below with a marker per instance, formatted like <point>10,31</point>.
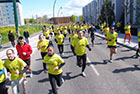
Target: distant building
<point>7,13</point>
<point>90,13</point>
<point>60,20</point>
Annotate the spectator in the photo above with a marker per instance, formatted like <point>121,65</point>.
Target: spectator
<point>0,41</point>
<point>11,38</point>
<point>26,35</point>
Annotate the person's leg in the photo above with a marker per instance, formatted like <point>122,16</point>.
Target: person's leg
<point>125,37</point>
<point>53,83</point>
<point>84,59</point>
<point>3,88</point>
<point>62,48</point>
<point>129,37</point>
<point>21,86</point>
<point>79,63</point>
<point>14,87</point>
<point>111,53</point>
<point>59,79</point>
<point>42,55</point>
<point>59,48</point>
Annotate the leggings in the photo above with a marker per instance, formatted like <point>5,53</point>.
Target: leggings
<point>81,60</point>
<point>42,55</point>
<point>60,48</point>
<point>3,89</point>
<point>127,35</point>
<point>55,79</point>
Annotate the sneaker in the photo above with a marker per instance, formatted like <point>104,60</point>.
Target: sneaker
<point>83,74</point>
<point>111,61</point>
<point>31,75</point>
<point>25,81</point>
<point>62,80</point>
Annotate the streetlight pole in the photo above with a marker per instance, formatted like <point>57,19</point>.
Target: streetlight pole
<point>16,17</point>
<point>59,11</point>
<point>53,12</point>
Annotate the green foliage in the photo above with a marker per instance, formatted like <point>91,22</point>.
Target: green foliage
<point>30,28</point>
<point>73,18</point>
<point>81,18</point>
<point>107,13</point>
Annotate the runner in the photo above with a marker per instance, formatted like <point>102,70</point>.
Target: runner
<point>46,33</point>
<point>16,67</point>
<point>3,80</point>
<point>59,39</point>
<point>24,51</point>
<point>42,45</point>
<point>54,63</point>
<point>112,39</point>
<point>71,39</point>
<point>138,50</point>
<point>65,32</point>
<point>118,26</point>
<point>80,44</point>
<point>91,31</point>
<point>127,32</point>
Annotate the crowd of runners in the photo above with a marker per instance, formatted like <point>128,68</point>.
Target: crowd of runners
<point>16,67</point>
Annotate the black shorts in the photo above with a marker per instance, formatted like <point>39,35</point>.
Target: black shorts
<point>112,46</point>
<point>28,62</point>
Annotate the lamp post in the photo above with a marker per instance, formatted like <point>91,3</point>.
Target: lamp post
<point>53,12</point>
<point>59,11</point>
<point>16,17</point>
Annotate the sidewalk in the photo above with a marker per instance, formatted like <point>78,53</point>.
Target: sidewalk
<point>133,44</point>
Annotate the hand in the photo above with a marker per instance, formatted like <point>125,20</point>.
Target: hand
<point>39,47</point>
<point>24,53</point>
<point>56,68</point>
<point>89,49</point>
<point>17,72</point>
<point>45,71</point>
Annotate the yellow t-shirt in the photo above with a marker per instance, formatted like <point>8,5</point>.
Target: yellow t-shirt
<point>106,30</point>
<point>59,38</point>
<point>2,76</point>
<point>46,33</point>
<point>113,37</point>
<point>127,28</point>
<point>72,37</point>
<point>101,27</point>
<point>52,62</point>
<point>118,24</point>
<point>80,46</point>
<point>65,31</point>
<point>16,65</point>
<point>44,44</point>
<point>139,36</point>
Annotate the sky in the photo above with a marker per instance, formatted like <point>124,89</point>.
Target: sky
<point>38,8</point>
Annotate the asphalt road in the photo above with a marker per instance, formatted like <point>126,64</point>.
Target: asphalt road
<point>120,77</point>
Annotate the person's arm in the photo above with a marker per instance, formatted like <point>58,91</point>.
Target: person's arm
<point>22,71</point>
<point>88,47</point>
<point>2,71</point>
<point>29,51</point>
<point>61,65</point>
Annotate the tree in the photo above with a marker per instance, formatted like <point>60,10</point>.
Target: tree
<point>73,18</point>
<point>81,18</point>
<point>107,13</point>
<point>138,13</point>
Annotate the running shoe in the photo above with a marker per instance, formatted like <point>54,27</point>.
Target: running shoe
<point>83,74</point>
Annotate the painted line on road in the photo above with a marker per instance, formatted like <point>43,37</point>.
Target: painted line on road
<point>93,67</point>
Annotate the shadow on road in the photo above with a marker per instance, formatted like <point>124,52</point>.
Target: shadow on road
<point>38,59</point>
<point>43,80</point>
<point>66,57</point>
<point>37,72</point>
<point>126,50</point>
<point>98,63</point>
<point>68,77</point>
<point>134,68</point>
<point>68,52</point>
<point>124,58</point>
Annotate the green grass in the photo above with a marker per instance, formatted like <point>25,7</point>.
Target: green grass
<point>30,28</point>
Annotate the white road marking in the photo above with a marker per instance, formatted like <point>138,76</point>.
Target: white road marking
<point>93,67</point>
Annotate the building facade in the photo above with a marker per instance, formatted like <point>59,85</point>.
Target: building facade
<point>90,13</point>
<point>7,13</point>
<point>60,20</point>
